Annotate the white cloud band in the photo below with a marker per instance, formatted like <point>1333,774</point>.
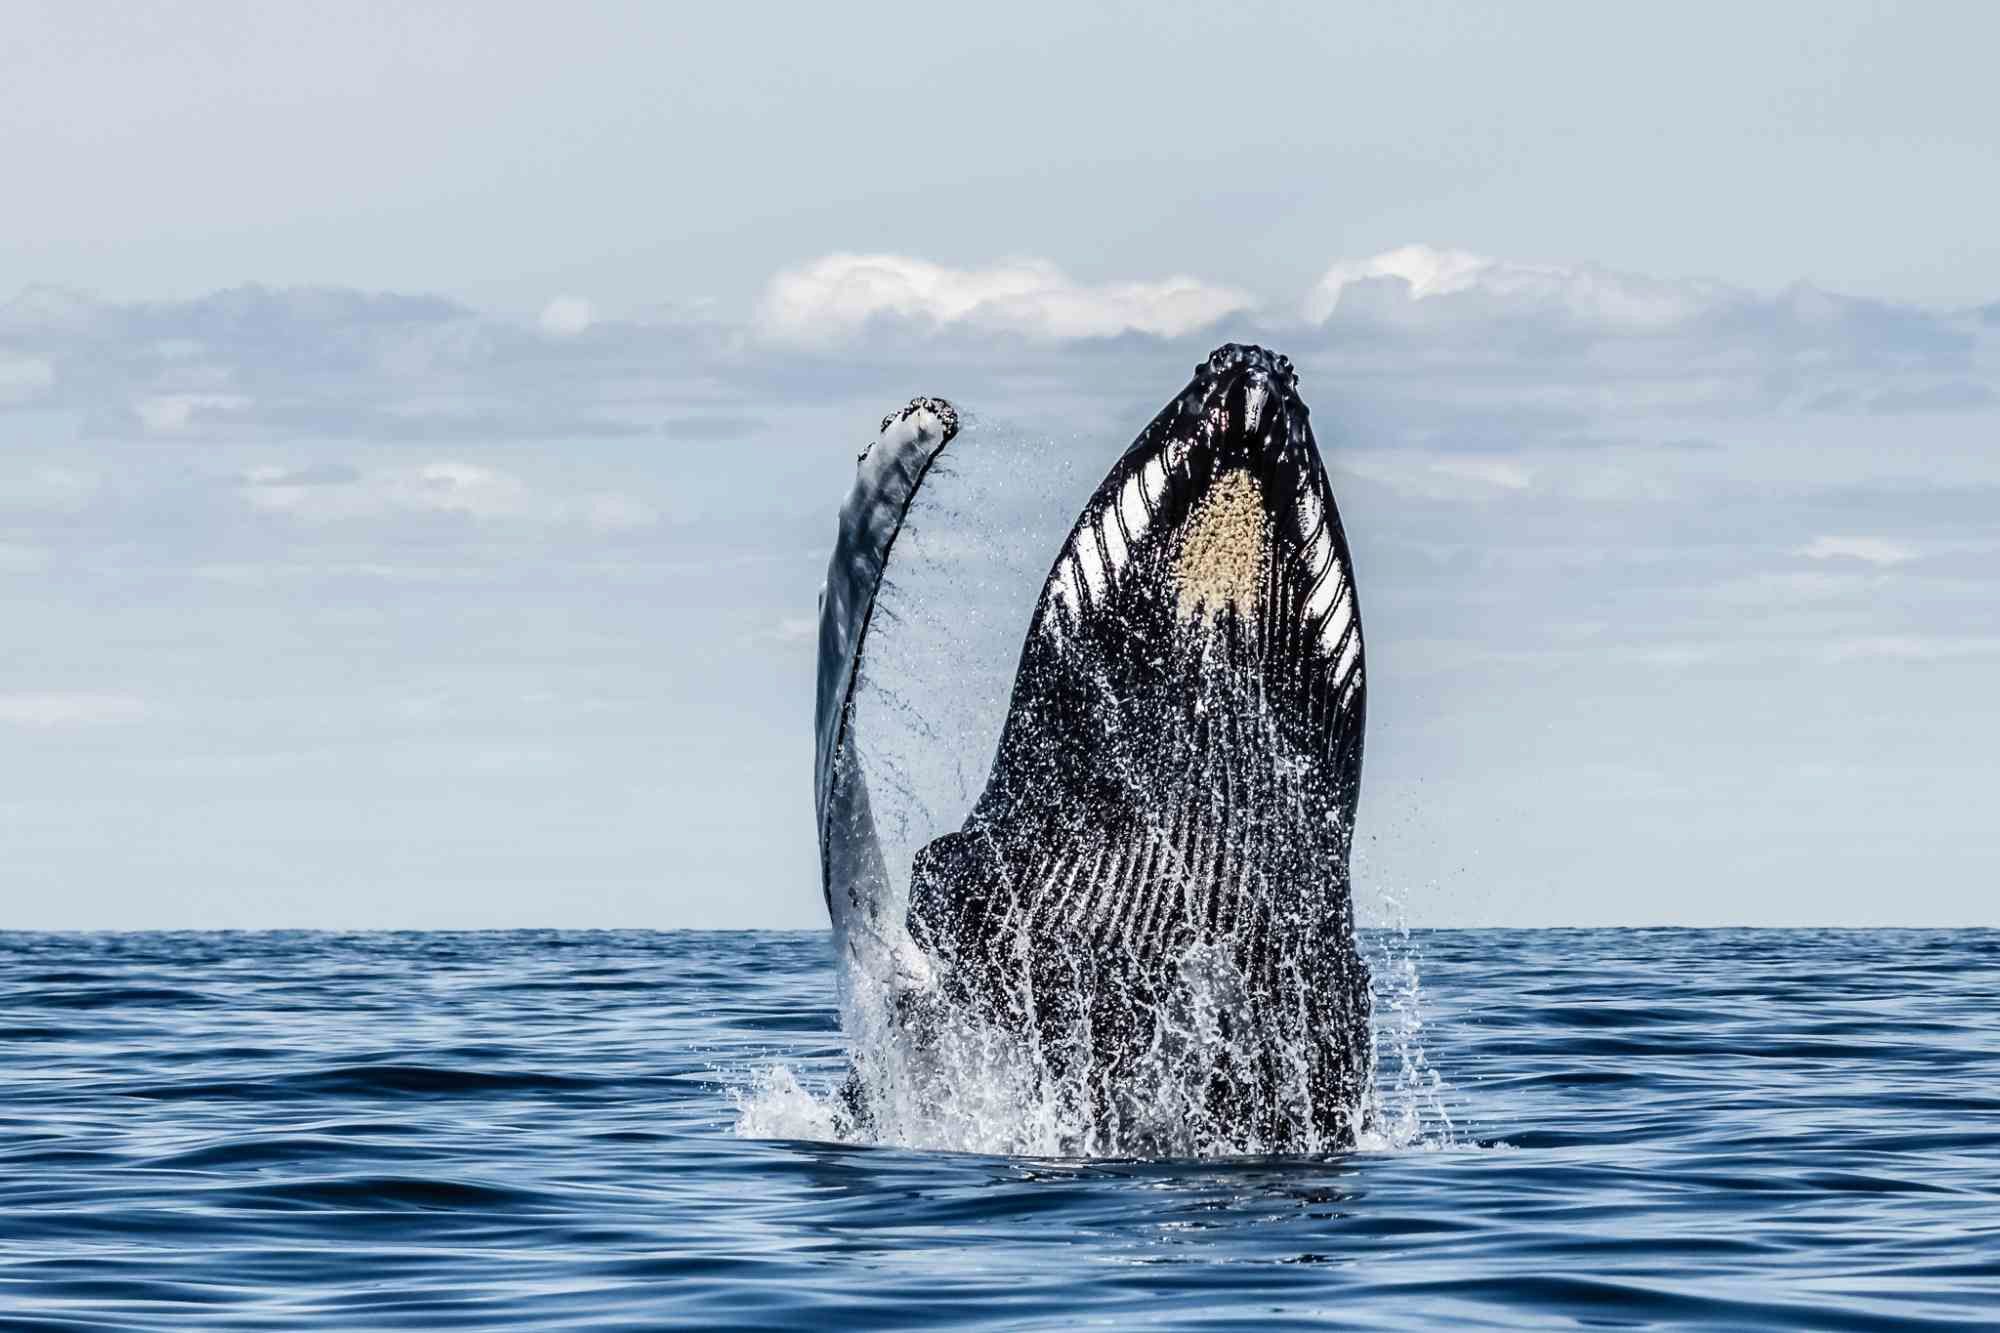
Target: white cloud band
<point>840,293</point>
<point>1583,293</point>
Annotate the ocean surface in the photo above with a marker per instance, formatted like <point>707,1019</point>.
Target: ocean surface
<point>1605,1129</point>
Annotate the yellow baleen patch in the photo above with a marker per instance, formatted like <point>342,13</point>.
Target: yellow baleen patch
<point>1221,559</point>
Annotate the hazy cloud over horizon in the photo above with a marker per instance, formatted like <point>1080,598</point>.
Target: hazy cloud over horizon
<point>402,365</point>
<point>338,608</point>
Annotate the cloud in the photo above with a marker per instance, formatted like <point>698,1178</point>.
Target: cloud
<point>840,293</point>
<point>320,474</point>
<point>1424,475</point>
<point>1912,648</point>
<point>69,710</point>
<point>49,489</point>
<point>1790,590</point>
<point>567,316</point>
<point>23,379</point>
<point>1871,550</point>
<point>1506,474</point>
<point>1447,350</point>
<point>332,494</point>
<point>1581,334</point>
<point>1673,656</point>
<point>16,558</point>
<point>1458,354</point>
<point>439,488</point>
<point>785,630</point>
<point>1951,396</point>
<point>253,362</point>
<point>1587,294</point>
<point>175,413</point>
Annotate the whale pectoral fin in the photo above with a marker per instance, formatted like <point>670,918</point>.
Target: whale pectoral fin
<point>888,476</point>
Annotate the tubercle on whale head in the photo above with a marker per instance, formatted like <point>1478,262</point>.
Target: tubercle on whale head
<point>1240,414</point>
<point>1249,358</point>
<point>1245,401</point>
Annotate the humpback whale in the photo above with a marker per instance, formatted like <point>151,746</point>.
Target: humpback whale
<point>1149,904</point>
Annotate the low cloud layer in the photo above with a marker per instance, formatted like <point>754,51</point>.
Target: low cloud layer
<point>1872,550</point>
<point>1455,345</point>
<point>1493,288</point>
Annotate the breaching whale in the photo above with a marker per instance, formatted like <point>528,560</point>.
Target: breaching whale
<point>1149,901</point>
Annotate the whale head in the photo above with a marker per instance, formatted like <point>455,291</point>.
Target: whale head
<point>1212,553</point>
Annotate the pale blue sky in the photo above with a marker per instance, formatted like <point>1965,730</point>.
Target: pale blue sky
<point>457,572</point>
<point>643,153</point>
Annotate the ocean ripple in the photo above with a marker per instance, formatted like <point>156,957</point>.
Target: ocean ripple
<point>1702,1129</point>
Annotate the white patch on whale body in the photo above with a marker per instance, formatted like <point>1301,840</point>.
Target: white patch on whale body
<point>1091,563</point>
<point>1310,515</point>
<point>1132,505</point>
<point>1114,540</point>
<point>1323,595</point>
<point>1347,657</point>
<point>1337,623</point>
<point>1063,585</point>
<point>1154,474</point>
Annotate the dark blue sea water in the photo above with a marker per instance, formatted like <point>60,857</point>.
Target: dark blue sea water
<point>1717,1129</point>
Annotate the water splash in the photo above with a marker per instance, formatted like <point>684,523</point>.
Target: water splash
<point>981,1091</point>
<point>933,694</point>
<point>971,1089</point>
<point>774,1104</point>
<point>1408,1101</point>
<point>938,1079</point>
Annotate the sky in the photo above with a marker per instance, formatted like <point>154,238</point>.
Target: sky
<point>421,428</point>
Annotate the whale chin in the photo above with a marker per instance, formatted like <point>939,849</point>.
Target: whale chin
<point>1162,845</point>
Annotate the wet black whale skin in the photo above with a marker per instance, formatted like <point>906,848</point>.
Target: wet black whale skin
<point>1163,793</point>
